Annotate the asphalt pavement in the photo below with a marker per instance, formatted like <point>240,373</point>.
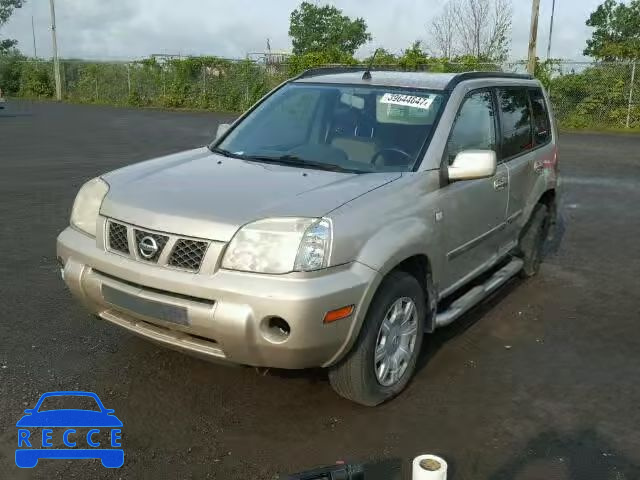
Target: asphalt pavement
<point>539,382</point>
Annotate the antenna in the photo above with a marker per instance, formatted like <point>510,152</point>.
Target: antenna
<point>367,73</point>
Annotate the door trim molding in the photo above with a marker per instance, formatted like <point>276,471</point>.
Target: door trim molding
<point>511,218</point>
<point>456,252</point>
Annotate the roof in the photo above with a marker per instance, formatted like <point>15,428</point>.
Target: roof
<point>426,80</point>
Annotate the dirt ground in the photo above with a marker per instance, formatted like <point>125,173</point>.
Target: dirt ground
<point>539,382</point>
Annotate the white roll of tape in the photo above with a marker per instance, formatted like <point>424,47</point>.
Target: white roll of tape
<point>429,467</point>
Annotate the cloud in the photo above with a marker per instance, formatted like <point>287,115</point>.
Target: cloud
<point>124,29</point>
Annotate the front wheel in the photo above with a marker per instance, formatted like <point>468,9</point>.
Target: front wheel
<point>384,357</point>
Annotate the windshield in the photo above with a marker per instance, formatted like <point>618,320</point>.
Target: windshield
<point>355,128</point>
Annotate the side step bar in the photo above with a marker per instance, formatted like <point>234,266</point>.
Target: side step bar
<point>476,294</point>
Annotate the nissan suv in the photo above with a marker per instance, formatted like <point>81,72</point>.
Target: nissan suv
<point>345,215</point>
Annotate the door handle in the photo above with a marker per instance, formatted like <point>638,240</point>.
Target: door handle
<point>500,183</point>
<point>538,166</point>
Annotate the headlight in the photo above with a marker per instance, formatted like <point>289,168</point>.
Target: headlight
<point>280,245</point>
<point>86,206</point>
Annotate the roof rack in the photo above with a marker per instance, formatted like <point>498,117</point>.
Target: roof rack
<point>329,70</point>
<point>479,75</point>
<point>332,69</point>
<point>461,77</point>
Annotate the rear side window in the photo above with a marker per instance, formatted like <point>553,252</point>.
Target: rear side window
<point>516,121</point>
<point>541,121</point>
<point>474,127</point>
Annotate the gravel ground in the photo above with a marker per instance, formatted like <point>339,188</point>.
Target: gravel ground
<point>540,381</point>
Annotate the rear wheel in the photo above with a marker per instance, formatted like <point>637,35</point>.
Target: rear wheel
<point>532,240</point>
<point>384,357</point>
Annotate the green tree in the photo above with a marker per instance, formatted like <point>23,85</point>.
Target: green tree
<point>414,58</point>
<point>321,28</point>
<point>11,66</point>
<point>300,63</point>
<point>616,34</point>
<point>6,9</point>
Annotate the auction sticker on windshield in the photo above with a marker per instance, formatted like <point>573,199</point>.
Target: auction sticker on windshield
<point>407,100</point>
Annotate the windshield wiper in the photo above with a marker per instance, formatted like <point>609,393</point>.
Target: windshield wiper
<point>295,161</point>
<point>226,153</point>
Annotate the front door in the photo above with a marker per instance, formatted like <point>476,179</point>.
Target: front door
<point>474,211</point>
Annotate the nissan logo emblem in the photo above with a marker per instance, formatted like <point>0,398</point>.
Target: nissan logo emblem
<point>148,247</point>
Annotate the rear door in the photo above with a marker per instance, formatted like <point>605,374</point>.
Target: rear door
<point>517,152</point>
<point>473,210</point>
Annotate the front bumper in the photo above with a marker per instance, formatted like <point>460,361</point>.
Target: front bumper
<point>225,315</point>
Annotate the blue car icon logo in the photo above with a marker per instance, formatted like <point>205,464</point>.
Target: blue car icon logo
<point>93,432</point>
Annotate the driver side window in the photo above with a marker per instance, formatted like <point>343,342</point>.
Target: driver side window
<point>288,124</point>
<point>474,127</point>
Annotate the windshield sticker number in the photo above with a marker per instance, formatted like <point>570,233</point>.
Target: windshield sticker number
<point>407,100</point>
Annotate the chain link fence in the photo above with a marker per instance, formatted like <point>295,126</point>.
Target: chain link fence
<point>193,84</point>
<point>596,95</point>
<point>585,95</point>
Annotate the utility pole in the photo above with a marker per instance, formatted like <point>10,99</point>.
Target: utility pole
<point>33,33</point>
<point>56,63</point>
<point>633,79</point>
<point>533,36</point>
<point>553,11</point>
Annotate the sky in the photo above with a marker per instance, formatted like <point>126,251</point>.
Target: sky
<point>130,29</point>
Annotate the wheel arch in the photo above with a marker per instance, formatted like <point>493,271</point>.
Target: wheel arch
<point>419,266</point>
<point>416,264</point>
<point>548,198</point>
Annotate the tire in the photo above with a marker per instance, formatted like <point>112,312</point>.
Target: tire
<point>355,377</point>
<point>534,234</point>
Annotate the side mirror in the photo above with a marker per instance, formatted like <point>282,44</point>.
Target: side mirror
<point>29,410</point>
<point>472,164</point>
<point>222,129</point>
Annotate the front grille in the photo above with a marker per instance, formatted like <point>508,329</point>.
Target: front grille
<point>149,239</point>
<point>188,254</point>
<point>118,237</point>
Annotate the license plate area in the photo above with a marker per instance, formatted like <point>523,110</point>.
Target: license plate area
<point>145,307</point>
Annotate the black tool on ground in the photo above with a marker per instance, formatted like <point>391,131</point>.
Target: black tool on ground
<point>333,472</point>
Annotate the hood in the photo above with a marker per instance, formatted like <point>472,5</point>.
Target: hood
<point>201,194</point>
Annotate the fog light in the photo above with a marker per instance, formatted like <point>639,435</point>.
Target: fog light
<point>276,329</point>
